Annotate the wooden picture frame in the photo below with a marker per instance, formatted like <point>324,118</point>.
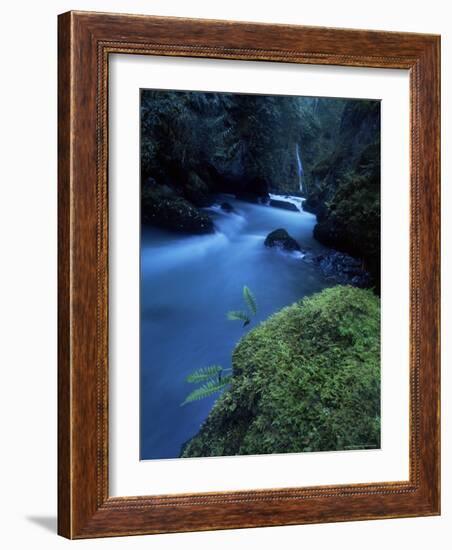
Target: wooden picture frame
<point>86,40</point>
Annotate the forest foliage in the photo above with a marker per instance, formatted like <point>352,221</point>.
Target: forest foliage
<point>233,142</point>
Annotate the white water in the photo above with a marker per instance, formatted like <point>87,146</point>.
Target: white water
<point>299,168</point>
<point>297,201</point>
<point>188,284</point>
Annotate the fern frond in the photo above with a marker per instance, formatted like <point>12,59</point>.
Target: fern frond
<point>225,380</point>
<point>203,374</point>
<point>250,300</point>
<point>207,389</point>
<point>238,316</point>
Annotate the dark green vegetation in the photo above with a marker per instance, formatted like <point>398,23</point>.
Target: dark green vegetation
<point>251,309</point>
<point>319,392</point>
<point>343,184</point>
<point>196,144</point>
<point>212,379</point>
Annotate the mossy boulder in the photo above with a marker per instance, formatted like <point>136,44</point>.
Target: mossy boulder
<point>167,210</point>
<point>307,379</point>
<point>343,186</point>
<point>197,191</point>
<point>352,222</point>
<point>281,239</point>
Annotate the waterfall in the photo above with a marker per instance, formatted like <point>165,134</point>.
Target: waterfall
<point>299,168</point>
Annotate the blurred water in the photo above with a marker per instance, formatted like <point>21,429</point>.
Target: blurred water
<point>188,284</point>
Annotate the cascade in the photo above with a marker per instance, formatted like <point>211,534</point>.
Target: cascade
<point>299,168</point>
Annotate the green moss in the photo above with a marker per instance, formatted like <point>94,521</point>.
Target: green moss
<point>307,379</point>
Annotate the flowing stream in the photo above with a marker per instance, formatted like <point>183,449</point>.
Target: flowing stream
<point>188,284</point>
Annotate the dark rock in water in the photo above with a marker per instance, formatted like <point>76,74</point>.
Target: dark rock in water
<point>281,239</point>
<point>343,268</point>
<point>227,207</point>
<point>360,243</point>
<point>283,204</point>
<point>173,213</point>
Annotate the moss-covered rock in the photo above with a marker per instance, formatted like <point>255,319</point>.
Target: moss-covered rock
<point>197,191</point>
<point>344,187</point>
<point>307,379</point>
<point>163,208</point>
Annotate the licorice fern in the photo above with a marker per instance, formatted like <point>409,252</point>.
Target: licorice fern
<point>250,300</point>
<point>239,316</point>
<point>208,389</point>
<point>245,316</point>
<point>214,378</point>
<point>203,374</point>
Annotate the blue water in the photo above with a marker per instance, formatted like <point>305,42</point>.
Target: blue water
<point>188,284</point>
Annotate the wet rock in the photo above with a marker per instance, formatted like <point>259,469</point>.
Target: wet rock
<point>281,239</point>
<point>197,191</point>
<point>343,268</point>
<point>283,204</point>
<point>227,207</point>
<point>173,213</point>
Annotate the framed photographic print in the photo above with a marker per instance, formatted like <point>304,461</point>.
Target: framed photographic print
<point>248,275</point>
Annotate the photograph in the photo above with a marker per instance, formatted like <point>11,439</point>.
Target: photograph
<point>259,274</point>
